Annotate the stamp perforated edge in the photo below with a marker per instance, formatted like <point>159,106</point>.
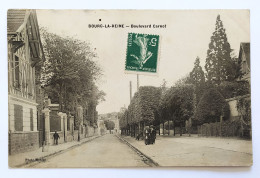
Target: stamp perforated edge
<point>158,56</point>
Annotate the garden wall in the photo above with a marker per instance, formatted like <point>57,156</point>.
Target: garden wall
<point>224,129</point>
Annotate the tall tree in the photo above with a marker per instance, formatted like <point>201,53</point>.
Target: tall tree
<point>70,72</point>
<point>197,78</point>
<point>197,74</point>
<point>211,107</point>
<point>183,81</point>
<point>177,104</point>
<point>110,125</point>
<point>219,65</point>
<point>159,117</point>
<point>144,105</point>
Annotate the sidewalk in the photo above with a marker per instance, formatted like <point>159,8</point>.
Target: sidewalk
<point>21,159</point>
<point>196,151</point>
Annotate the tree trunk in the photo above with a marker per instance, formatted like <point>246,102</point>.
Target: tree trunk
<point>180,129</point>
<point>64,98</point>
<point>159,129</point>
<point>60,97</point>
<point>174,130</point>
<point>139,127</point>
<point>163,127</point>
<point>221,120</point>
<point>134,130</point>
<point>168,127</point>
<point>144,127</point>
<point>242,128</point>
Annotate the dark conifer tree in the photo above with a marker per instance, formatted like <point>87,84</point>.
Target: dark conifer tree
<point>197,78</point>
<point>197,74</point>
<point>219,65</point>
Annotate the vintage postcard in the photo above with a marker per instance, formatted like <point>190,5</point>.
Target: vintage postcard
<point>128,88</point>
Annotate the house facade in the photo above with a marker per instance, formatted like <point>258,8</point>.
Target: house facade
<point>25,54</point>
<point>244,61</point>
<point>111,117</point>
<point>244,58</point>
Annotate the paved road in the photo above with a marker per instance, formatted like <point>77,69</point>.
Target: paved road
<point>188,151</point>
<point>105,151</point>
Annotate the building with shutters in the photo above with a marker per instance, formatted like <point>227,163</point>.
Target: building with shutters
<point>25,54</point>
<point>245,76</point>
<point>244,60</point>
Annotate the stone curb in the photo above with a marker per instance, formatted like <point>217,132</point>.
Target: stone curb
<point>27,165</point>
<point>149,161</point>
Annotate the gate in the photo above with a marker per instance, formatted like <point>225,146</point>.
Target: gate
<point>41,129</point>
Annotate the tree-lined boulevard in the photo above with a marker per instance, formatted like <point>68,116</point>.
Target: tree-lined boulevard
<point>105,151</point>
<point>198,102</point>
<point>110,151</point>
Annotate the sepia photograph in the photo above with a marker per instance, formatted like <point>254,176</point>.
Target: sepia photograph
<point>128,88</point>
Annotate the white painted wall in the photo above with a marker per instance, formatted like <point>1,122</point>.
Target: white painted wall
<point>27,105</point>
<point>233,108</point>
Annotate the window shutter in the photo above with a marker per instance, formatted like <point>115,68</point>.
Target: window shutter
<point>31,119</point>
<point>18,117</point>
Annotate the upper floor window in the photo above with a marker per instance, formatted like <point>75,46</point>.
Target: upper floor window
<point>17,72</point>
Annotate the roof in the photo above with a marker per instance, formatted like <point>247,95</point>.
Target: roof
<point>27,19</point>
<point>245,47</point>
<point>15,18</point>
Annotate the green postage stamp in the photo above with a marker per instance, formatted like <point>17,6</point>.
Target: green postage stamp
<point>142,53</point>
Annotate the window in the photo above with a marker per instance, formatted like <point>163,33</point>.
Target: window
<point>31,119</point>
<point>29,80</point>
<point>18,117</point>
<point>16,72</point>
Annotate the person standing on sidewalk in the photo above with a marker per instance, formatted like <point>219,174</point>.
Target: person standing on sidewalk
<point>56,137</point>
<point>153,134</point>
<point>147,135</point>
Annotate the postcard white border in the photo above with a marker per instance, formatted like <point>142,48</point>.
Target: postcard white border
<point>212,172</point>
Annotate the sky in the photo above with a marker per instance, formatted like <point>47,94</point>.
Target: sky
<point>186,36</point>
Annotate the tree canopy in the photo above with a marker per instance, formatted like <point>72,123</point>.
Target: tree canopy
<point>70,73</point>
<point>197,76</point>
<point>198,97</point>
<point>219,64</point>
<point>211,106</point>
<point>143,107</point>
<point>178,104</point>
<point>110,125</point>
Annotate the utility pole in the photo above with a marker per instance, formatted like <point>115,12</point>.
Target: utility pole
<point>137,82</point>
<point>130,91</point>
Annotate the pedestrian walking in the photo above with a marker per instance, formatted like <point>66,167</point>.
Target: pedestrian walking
<point>147,135</point>
<point>153,134</point>
<point>56,137</point>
